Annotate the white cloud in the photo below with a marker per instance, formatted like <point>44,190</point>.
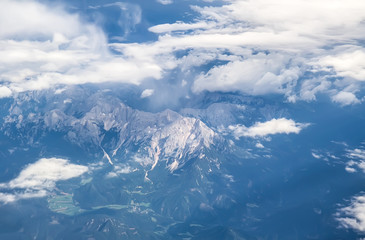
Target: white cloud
<point>147,93</point>
<point>262,47</point>
<point>9,197</point>
<point>357,161</point>
<point>178,26</point>
<point>345,98</point>
<point>124,170</point>
<point>347,64</point>
<point>317,20</point>
<point>120,170</point>
<point>5,92</point>
<point>143,160</point>
<point>356,154</point>
<point>298,31</point>
<point>317,156</point>
<point>38,178</point>
<point>165,2</point>
<point>353,216</point>
<point>259,145</point>
<point>350,169</point>
<point>274,126</point>
<point>257,75</point>
<point>33,19</point>
<point>45,173</point>
<point>45,46</point>
<point>310,88</point>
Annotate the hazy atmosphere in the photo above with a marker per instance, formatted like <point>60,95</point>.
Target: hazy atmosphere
<point>190,119</point>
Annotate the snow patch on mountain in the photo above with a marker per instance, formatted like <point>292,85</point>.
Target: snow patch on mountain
<point>182,137</point>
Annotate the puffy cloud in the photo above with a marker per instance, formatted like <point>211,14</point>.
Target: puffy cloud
<point>30,19</point>
<point>147,93</point>
<point>45,46</point>
<point>259,145</point>
<point>262,129</point>
<point>257,75</point>
<point>38,178</point>
<point>319,21</point>
<point>353,216</point>
<point>45,173</point>
<point>350,169</point>
<point>310,88</point>
<point>345,98</point>
<point>5,92</point>
<point>347,64</point>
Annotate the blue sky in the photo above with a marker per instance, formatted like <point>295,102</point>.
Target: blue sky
<point>297,49</point>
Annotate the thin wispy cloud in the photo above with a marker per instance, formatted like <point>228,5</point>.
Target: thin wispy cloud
<point>130,16</point>
<point>357,161</point>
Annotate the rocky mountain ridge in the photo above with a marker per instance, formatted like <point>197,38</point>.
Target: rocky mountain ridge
<point>107,126</point>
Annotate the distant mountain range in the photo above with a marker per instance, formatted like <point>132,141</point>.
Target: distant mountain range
<point>185,173</point>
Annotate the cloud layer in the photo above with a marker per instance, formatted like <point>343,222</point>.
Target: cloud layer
<point>259,47</point>
<point>297,48</point>
<point>39,178</point>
